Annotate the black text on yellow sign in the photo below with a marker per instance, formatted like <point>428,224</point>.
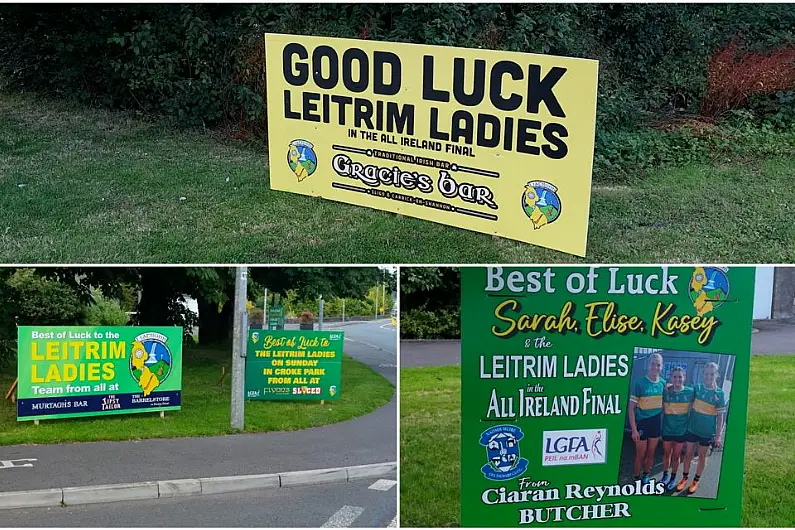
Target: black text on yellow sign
<point>496,142</point>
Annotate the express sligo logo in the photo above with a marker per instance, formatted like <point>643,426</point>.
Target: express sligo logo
<point>302,159</point>
<point>541,203</point>
<point>502,451</point>
<point>585,446</point>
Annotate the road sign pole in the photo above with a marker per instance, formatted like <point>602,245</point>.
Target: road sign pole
<point>320,307</point>
<point>343,310</point>
<point>376,301</point>
<point>238,349</point>
<point>265,324</point>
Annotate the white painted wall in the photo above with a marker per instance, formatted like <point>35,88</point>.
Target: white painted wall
<point>763,293</point>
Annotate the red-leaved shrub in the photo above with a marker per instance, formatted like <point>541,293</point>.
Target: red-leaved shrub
<point>732,77</point>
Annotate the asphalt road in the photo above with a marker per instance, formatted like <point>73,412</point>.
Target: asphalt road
<point>374,344</point>
<point>361,503</point>
<point>417,353</point>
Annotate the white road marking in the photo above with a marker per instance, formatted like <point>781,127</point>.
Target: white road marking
<point>387,365</point>
<point>5,464</point>
<point>344,517</point>
<point>382,485</point>
<point>369,345</point>
<point>388,326</point>
<point>392,523</point>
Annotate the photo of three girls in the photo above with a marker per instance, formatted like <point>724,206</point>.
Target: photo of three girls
<point>690,419</point>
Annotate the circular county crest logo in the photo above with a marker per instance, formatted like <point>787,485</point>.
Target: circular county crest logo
<point>302,159</point>
<point>709,288</point>
<point>502,451</point>
<point>541,203</point>
<point>150,361</point>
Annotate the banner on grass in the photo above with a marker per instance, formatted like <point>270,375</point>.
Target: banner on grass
<point>568,373</point>
<point>492,141</point>
<point>73,371</point>
<point>294,365</point>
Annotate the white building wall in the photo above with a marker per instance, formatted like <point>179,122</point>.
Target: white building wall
<point>763,293</point>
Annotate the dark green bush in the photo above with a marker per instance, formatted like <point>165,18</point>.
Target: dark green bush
<point>425,325</point>
<point>31,300</point>
<point>104,312</point>
<point>43,302</point>
<point>203,63</point>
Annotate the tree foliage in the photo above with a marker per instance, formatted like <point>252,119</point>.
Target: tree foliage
<point>204,63</point>
<point>158,295</point>
<point>430,300</point>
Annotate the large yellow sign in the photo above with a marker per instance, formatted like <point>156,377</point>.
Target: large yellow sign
<point>492,141</point>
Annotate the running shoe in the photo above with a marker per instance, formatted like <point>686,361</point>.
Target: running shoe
<point>693,487</point>
<point>645,480</point>
<point>664,478</point>
<point>671,484</point>
<point>681,485</point>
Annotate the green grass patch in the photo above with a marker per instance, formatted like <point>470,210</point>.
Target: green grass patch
<point>430,473</point>
<point>87,185</point>
<point>430,446</point>
<point>769,488</point>
<point>206,408</point>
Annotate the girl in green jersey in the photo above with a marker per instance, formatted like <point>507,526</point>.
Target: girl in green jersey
<point>677,401</point>
<point>705,426</point>
<point>645,415</point>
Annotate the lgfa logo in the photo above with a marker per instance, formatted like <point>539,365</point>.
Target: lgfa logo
<point>502,452</point>
<point>586,446</point>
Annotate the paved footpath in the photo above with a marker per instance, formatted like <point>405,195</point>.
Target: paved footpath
<point>770,338</point>
<point>369,439</point>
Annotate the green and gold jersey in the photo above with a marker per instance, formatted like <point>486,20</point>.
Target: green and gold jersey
<point>708,403</point>
<point>647,394</point>
<point>676,410</point>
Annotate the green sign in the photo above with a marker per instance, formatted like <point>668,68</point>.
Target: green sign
<point>588,392</point>
<point>276,317</point>
<point>67,372</point>
<point>294,365</point>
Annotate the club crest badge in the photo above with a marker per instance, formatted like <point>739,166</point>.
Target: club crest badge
<point>302,159</point>
<point>502,452</point>
<point>541,203</point>
<point>709,288</point>
<point>150,361</point>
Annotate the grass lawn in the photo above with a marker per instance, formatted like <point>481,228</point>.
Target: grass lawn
<point>206,408</point>
<point>430,401</point>
<point>90,186</point>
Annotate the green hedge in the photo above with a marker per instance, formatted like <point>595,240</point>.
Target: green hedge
<point>425,325</point>
<point>202,63</point>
